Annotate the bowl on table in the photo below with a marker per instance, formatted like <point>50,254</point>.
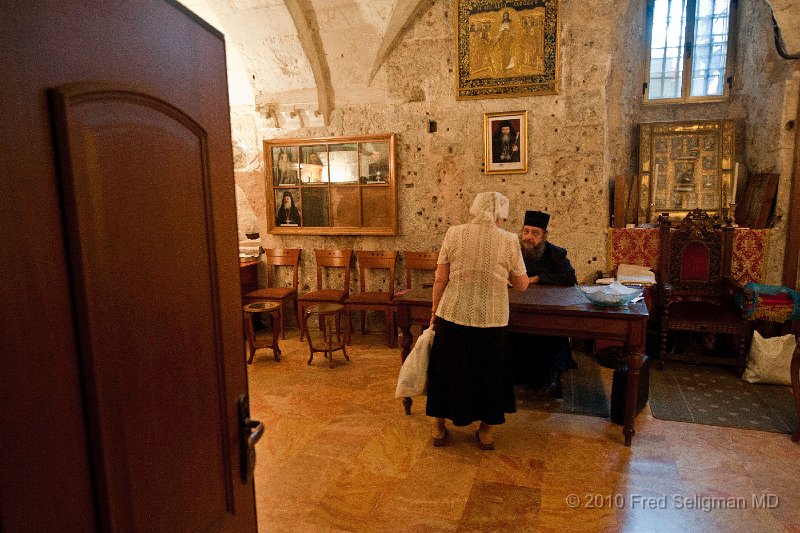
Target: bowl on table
<point>614,295</point>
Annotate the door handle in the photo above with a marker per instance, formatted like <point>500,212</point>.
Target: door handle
<point>250,432</point>
<point>258,432</point>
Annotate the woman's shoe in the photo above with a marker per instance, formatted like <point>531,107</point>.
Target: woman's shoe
<point>438,443</point>
<point>483,445</point>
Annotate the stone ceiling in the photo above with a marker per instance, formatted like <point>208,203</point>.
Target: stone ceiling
<point>320,53</point>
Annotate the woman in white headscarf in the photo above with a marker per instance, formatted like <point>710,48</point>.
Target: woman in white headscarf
<point>477,263</point>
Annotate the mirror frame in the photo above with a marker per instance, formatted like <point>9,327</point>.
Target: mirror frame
<point>365,186</point>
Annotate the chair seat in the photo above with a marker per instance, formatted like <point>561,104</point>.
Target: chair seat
<point>272,293</point>
<point>376,298</point>
<point>704,316</point>
<point>325,295</point>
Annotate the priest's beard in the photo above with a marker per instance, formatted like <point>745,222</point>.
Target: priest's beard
<point>532,253</point>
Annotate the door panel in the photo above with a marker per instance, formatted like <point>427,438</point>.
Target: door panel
<point>122,357</point>
<point>135,188</point>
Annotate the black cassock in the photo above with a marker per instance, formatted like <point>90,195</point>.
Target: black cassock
<point>534,356</point>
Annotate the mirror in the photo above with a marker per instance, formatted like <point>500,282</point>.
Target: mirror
<point>332,186</point>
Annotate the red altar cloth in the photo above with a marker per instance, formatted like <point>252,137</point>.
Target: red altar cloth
<point>640,246</point>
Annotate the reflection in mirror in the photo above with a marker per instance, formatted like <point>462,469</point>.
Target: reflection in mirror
<point>313,164</point>
<point>343,163</point>
<point>374,162</point>
<point>375,198</point>
<point>284,165</point>
<point>315,207</point>
<point>287,212</point>
<point>345,208</point>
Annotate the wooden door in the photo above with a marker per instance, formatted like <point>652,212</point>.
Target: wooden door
<point>122,355</point>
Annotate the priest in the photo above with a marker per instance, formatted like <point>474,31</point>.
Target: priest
<point>538,356</point>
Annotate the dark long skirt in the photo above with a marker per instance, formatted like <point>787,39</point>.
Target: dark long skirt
<point>467,377</point>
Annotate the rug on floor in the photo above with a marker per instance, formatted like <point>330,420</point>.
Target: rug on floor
<point>716,396</point>
<point>583,391</point>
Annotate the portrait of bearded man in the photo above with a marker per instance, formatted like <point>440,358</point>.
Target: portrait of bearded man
<point>505,143</point>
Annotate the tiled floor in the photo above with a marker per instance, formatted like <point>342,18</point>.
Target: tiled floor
<point>339,454</point>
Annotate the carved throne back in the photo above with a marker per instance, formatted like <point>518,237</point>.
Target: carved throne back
<point>695,257</point>
<point>696,291</point>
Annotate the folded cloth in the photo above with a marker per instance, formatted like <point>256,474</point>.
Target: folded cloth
<point>635,275</point>
<point>770,302</point>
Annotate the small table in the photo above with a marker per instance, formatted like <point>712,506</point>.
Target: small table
<point>326,313</point>
<point>273,310</point>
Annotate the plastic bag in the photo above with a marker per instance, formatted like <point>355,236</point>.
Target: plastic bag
<point>413,378</point>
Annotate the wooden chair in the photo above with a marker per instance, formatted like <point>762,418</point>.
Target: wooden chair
<point>697,292</point>
<point>418,261</point>
<point>326,259</point>
<point>365,300</point>
<point>289,257</point>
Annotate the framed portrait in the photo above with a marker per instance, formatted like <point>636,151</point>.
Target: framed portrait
<point>506,48</point>
<point>287,208</point>
<point>505,143</point>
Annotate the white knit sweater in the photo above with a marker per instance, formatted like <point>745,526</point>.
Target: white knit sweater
<point>481,257</point>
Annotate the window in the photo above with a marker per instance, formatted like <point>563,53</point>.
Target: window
<point>689,36</point>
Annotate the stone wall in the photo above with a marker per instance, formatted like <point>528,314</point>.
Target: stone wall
<point>577,139</point>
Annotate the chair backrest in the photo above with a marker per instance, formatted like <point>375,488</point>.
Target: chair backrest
<point>283,257</point>
<point>695,257</point>
<point>333,259</point>
<point>418,261</point>
<point>376,259</point>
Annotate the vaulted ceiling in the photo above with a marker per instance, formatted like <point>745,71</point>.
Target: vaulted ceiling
<point>321,53</point>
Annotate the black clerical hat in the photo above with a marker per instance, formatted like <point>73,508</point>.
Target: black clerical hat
<point>536,219</point>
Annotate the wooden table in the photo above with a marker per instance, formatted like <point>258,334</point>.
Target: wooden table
<point>273,310</point>
<point>552,310</point>
<point>248,275</point>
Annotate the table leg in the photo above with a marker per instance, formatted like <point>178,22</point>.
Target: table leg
<point>303,329</point>
<point>346,340</point>
<point>635,359</point>
<point>250,334</point>
<point>329,332</point>
<point>276,327</point>
<point>405,349</point>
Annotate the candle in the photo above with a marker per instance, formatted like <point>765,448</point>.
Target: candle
<point>735,182</point>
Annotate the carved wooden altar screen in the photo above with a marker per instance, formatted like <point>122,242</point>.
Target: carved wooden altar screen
<point>685,166</point>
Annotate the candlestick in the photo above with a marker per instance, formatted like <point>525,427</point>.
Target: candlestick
<point>732,199</point>
<point>732,213</point>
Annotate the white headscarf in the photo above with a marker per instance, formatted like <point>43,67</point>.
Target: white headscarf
<point>488,207</point>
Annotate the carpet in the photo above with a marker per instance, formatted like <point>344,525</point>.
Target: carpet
<point>583,391</point>
<point>717,397</point>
